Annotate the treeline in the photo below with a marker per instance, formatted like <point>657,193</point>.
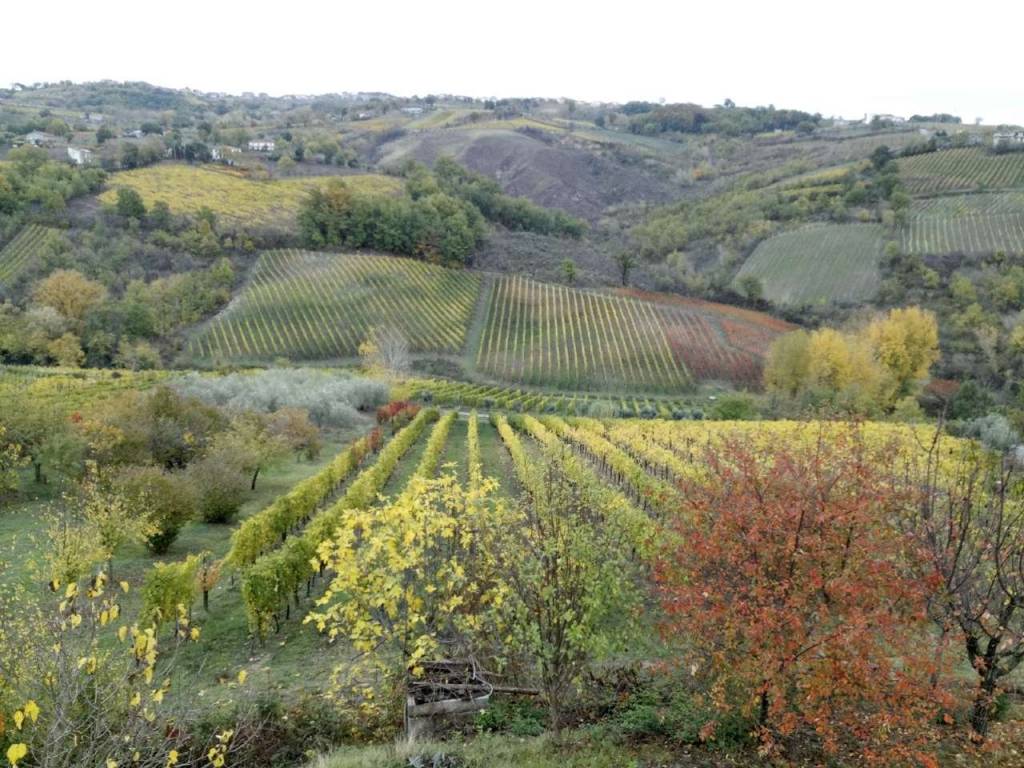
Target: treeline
<point>651,119</point>
<point>441,216</point>
<point>33,184</point>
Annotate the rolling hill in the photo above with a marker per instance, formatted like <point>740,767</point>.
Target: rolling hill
<point>313,306</point>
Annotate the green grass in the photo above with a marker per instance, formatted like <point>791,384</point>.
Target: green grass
<point>969,224</point>
<point>823,264</point>
<point>24,251</point>
<point>970,168</point>
<point>315,306</point>
<point>498,751</point>
<point>228,193</point>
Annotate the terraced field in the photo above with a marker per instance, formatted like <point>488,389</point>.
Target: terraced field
<point>969,224</point>
<point>314,306</point>
<point>229,194</point>
<point>821,264</point>
<point>24,250</point>
<point>966,169</point>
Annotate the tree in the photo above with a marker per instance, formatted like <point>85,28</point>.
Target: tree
<point>385,351</point>
<point>71,294</point>
<point>113,517</point>
<point>569,271</point>
<point>252,443</point>
<point>970,521</point>
<point>906,343</point>
<point>625,260</point>
<point>803,603</point>
<point>295,428</point>
<point>168,498</point>
<point>751,287</point>
<point>220,484</point>
<point>67,351</point>
<point>400,606</point>
<point>571,575</point>
<point>103,133</point>
<point>11,459</point>
<point>129,204</point>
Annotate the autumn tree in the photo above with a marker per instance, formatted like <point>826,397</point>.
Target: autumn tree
<point>168,498</point>
<point>112,517</point>
<point>567,554</point>
<point>799,598</point>
<point>71,293</point>
<point>253,443</point>
<point>11,459</point>
<point>385,350</point>
<point>970,521</point>
<point>906,343</point>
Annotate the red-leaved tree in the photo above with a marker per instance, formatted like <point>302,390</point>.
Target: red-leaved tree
<point>799,599</point>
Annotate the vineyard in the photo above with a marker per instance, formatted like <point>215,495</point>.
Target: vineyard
<point>69,389</point>
<point>547,335</point>
<point>491,396</point>
<point>969,224</point>
<point>233,197</point>
<point>313,306</point>
<point>24,251</point>
<point>818,265</point>
<point>971,168</point>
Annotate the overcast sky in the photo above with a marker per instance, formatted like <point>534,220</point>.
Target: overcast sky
<point>898,56</point>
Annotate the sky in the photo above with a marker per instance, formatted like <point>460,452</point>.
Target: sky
<point>840,59</point>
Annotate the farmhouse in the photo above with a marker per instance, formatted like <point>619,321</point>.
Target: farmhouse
<point>79,155</point>
<point>261,145</point>
<point>224,154</point>
<point>412,110</point>
<point>40,139</point>
<point>1008,138</point>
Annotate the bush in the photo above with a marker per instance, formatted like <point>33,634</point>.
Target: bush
<point>220,486</point>
<point>169,498</point>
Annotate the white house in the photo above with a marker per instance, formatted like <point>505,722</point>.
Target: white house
<point>79,155</point>
<point>39,139</point>
<point>261,145</point>
<point>224,153</point>
<point>412,110</point>
<point>1008,138</point>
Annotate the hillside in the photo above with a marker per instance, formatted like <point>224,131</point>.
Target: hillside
<point>818,265</point>
<point>307,307</point>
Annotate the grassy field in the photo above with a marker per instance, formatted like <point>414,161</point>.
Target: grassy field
<point>228,193</point>
<point>313,306</point>
<point>969,224</point>
<point>970,168</point>
<point>818,264</point>
<point>24,250</point>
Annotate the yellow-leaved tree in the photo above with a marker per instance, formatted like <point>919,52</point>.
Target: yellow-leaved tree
<point>865,371</point>
<point>409,576</point>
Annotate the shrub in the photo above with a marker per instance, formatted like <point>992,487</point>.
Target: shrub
<point>169,498</point>
<point>220,486</point>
